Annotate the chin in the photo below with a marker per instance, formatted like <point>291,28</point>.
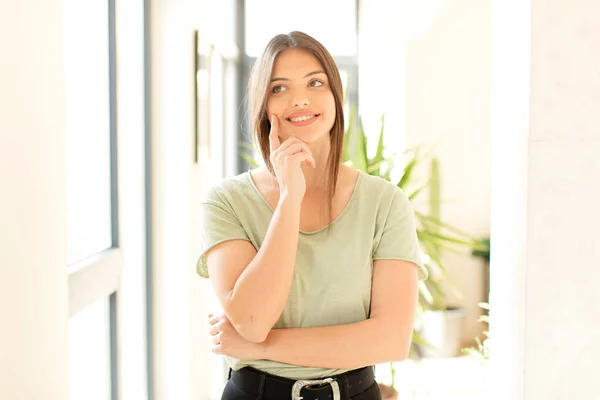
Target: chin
<point>311,136</point>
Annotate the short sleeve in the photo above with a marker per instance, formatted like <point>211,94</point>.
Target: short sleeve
<point>398,237</point>
<point>218,224</point>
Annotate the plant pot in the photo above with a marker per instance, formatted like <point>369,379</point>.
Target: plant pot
<point>443,330</point>
<point>387,392</point>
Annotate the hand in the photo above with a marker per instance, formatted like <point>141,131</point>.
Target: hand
<point>286,159</point>
<point>226,340</point>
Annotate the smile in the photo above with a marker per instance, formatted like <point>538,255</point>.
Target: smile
<point>303,118</point>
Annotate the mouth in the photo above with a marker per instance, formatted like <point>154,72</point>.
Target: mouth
<point>302,120</point>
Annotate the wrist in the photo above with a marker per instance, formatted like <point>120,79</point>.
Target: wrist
<point>289,202</point>
<point>264,349</point>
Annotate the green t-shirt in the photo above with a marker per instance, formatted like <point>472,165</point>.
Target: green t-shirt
<point>333,271</point>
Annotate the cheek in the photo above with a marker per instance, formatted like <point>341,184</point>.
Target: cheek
<point>275,106</point>
<point>329,108</point>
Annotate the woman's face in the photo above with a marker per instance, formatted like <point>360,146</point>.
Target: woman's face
<point>300,96</point>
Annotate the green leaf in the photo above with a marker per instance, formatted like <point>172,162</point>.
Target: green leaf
<point>247,146</point>
<point>431,287</point>
<point>379,152</point>
<point>408,170</point>
<point>354,149</point>
<point>248,158</point>
<point>374,168</point>
<point>359,156</point>
<point>448,227</point>
<point>348,134</point>
<point>434,192</point>
<point>413,194</point>
<point>448,239</point>
<point>425,293</point>
<point>418,339</point>
<point>472,353</point>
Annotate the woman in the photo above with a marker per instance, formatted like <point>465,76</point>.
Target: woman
<point>314,263</point>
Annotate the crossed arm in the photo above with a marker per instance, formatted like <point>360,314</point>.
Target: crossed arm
<point>385,336</point>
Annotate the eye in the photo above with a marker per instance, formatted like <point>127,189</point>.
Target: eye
<point>316,83</point>
<point>278,89</point>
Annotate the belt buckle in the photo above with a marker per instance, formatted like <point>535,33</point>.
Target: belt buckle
<point>299,385</point>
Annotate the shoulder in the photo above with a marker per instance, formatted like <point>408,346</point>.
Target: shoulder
<point>382,191</point>
<point>384,199</point>
<point>228,190</point>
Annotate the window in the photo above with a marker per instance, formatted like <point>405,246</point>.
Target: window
<point>89,353</point>
<point>94,259</point>
<point>88,128</point>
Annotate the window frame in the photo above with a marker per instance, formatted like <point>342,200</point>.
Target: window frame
<point>98,276</point>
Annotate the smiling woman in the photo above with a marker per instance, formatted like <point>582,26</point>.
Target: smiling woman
<point>297,77</point>
<point>311,260</point>
<point>306,93</point>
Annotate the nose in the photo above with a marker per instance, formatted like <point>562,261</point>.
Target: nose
<point>300,99</point>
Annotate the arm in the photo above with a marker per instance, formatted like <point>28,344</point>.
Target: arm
<point>253,287</point>
<point>386,336</point>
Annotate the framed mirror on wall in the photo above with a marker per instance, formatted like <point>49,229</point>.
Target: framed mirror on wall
<point>217,104</point>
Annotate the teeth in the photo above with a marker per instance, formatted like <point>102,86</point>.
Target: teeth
<point>304,118</point>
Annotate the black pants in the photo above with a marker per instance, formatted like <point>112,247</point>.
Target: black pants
<point>232,392</point>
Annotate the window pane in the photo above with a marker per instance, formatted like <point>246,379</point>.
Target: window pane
<point>88,130</point>
<point>89,353</point>
<point>333,23</point>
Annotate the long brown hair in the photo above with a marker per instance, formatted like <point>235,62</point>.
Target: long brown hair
<point>258,86</point>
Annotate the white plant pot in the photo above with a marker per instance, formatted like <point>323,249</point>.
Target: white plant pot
<point>443,330</point>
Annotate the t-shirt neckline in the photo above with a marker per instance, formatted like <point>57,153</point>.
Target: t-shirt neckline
<point>344,211</point>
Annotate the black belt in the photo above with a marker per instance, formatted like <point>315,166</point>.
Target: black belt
<point>255,383</point>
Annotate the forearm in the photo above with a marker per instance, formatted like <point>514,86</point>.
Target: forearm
<point>356,345</point>
<point>261,291</point>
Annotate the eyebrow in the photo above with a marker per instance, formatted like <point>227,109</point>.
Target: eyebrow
<point>305,76</point>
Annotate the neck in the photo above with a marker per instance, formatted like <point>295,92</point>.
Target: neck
<point>315,177</point>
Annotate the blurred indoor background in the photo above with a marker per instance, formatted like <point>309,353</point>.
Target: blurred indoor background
<point>117,115</point>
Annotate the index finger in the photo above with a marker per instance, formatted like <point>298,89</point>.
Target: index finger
<point>274,134</point>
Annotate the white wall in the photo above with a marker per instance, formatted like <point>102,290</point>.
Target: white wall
<point>33,255</point>
<point>171,110</point>
<point>184,364</point>
<point>427,65</point>
<point>563,248</point>
<point>545,302</point>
